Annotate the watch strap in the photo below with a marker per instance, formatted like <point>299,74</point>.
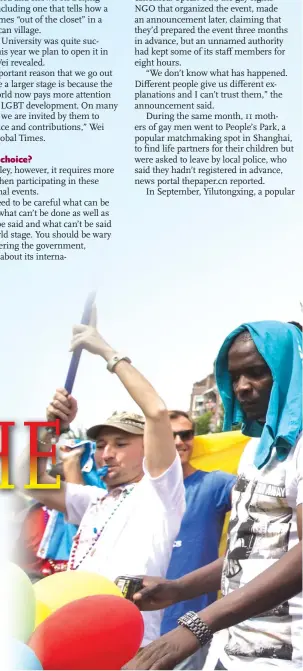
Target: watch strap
<point>197,627</point>
<point>115,359</point>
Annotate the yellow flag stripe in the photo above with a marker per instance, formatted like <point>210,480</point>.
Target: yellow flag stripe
<point>219,452</point>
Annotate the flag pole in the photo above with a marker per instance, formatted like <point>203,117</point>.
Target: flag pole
<point>74,363</point>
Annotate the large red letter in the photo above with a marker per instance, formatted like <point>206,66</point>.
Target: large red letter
<point>35,454</point>
<point>4,484</point>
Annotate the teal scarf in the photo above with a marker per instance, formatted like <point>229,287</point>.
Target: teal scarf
<point>280,345</point>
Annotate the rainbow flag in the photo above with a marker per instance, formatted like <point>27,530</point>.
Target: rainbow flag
<point>222,452</point>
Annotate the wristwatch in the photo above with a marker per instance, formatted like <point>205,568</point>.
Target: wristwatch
<point>115,359</point>
<point>49,432</point>
<point>197,627</point>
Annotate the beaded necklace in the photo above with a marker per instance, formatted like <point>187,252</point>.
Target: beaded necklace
<point>91,550</point>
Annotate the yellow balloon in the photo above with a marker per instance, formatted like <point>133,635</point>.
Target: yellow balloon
<point>61,588</point>
<point>42,612</point>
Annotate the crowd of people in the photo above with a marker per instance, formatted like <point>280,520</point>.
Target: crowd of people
<point>149,513</point>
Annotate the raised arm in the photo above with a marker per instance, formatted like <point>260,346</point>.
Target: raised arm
<point>159,447</point>
<point>63,407</point>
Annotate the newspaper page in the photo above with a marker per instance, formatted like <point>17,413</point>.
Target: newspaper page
<point>150,205</point>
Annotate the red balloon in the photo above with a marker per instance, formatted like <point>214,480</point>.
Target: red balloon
<point>96,632</point>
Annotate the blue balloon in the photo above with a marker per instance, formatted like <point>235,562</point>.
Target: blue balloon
<point>23,658</point>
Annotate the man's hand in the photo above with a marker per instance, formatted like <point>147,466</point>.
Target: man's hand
<point>166,652</point>
<point>157,593</point>
<point>90,339</point>
<point>63,406</point>
<point>71,454</point>
<point>71,464</point>
<point>159,446</point>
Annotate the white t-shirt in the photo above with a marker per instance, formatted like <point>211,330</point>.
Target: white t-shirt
<point>139,524</point>
<point>263,527</point>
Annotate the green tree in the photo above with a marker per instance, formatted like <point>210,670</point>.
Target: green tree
<point>219,428</point>
<point>202,424</point>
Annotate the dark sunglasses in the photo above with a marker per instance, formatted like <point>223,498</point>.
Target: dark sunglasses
<point>184,435</point>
